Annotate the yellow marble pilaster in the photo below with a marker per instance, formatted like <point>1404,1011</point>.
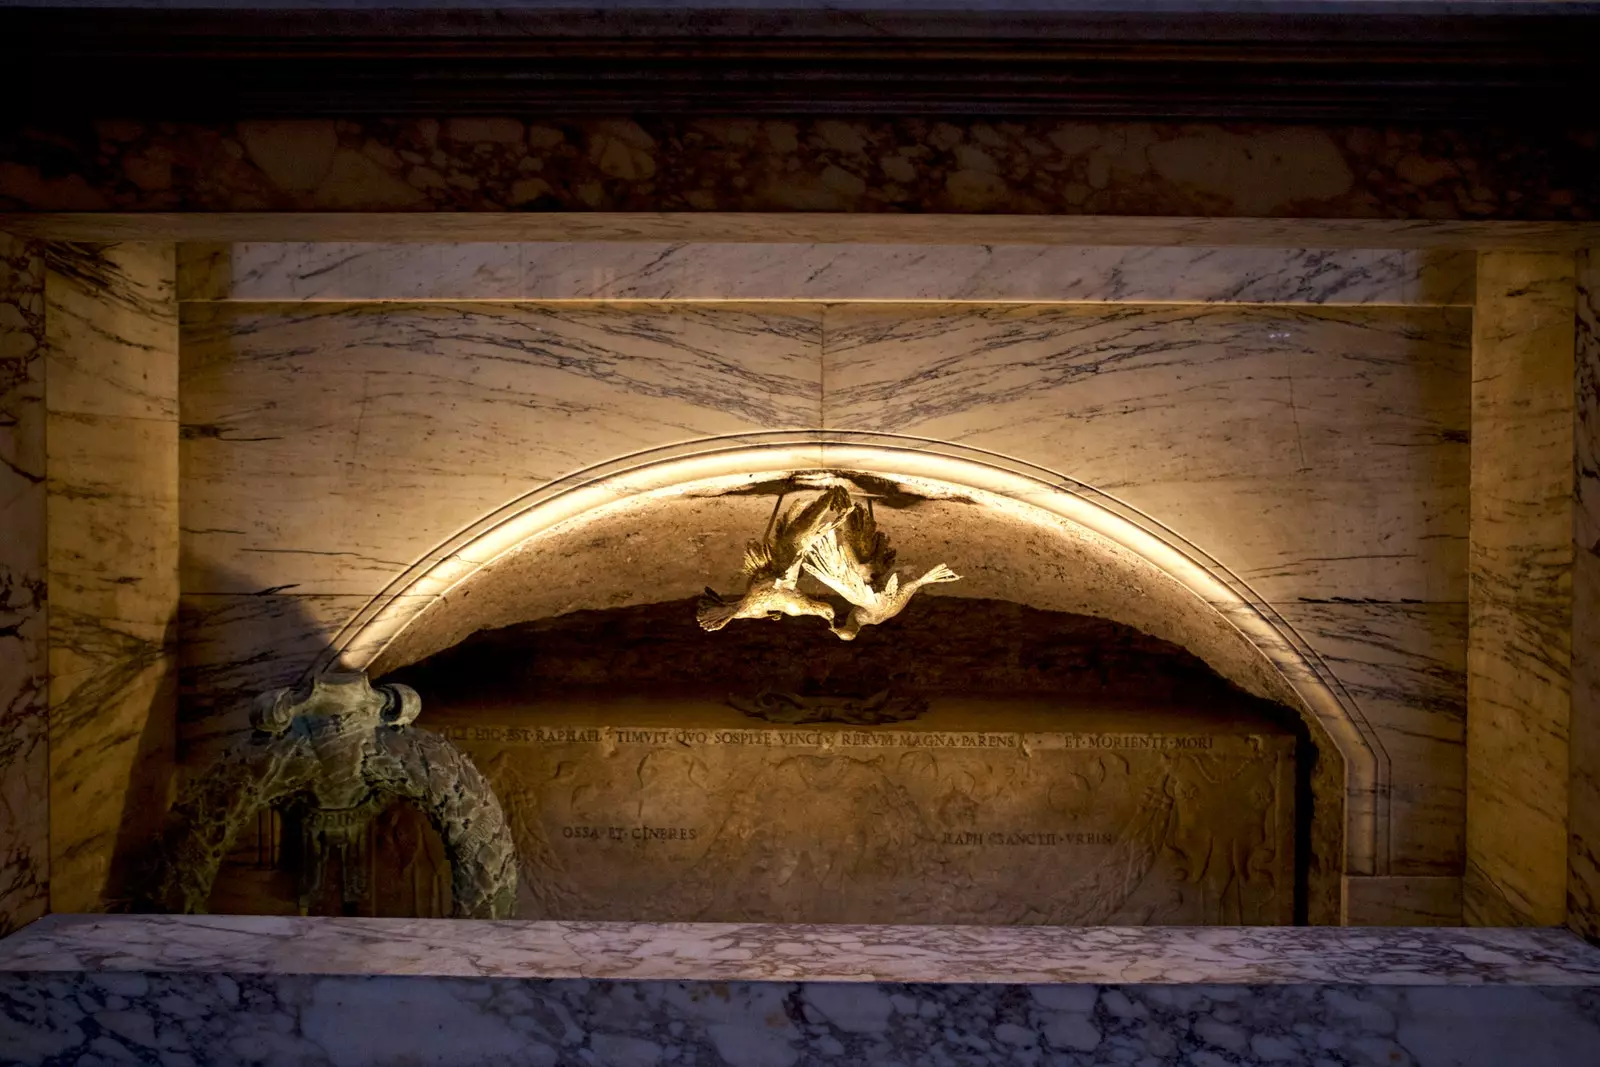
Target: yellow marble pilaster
<point>113,561</point>
<point>1520,590</point>
<point>1583,876</point>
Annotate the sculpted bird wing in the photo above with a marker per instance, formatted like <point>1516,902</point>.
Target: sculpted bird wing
<point>758,559</point>
<point>866,544</point>
<point>796,532</point>
<point>830,565</point>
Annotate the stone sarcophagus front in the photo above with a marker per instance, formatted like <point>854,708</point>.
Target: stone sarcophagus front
<point>981,812</point>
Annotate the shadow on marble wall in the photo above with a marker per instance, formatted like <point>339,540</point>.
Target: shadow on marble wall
<point>150,787</point>
<point>280,635</point>
<point>269,639</point>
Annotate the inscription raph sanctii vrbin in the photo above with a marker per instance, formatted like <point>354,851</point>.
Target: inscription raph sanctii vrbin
<point>1023,838</point>
<point>710,819</point>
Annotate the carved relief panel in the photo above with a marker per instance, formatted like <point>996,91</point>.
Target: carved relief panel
<point>683,811</point>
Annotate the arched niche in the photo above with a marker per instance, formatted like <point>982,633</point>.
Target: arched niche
<point>660,526</point>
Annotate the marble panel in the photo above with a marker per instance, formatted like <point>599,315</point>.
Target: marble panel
<point>1583,812</point>
<point>466,270</point>
<point>1404,666</point>
<point>348,992</point>
<point>113,327</point>
<point>979,811</point>
<point>1043,165</point>
<point>1403,900</point>
<point>113,523</point>
<point>1520,590</point>
<point>657,270</point>
<point>24,701</point>
<point>327,448</point>
<point>1314,452</point>
<point>357,1021</point>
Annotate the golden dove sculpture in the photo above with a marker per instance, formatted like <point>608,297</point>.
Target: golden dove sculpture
<point>772,567</point>
<point>854,560</point>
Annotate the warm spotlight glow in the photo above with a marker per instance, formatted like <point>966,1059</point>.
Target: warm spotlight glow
<point>936,470</point>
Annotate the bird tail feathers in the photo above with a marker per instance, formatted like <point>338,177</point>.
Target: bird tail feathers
<point>713,613</point>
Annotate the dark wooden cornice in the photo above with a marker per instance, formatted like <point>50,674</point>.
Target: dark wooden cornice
<point>1401,65</point>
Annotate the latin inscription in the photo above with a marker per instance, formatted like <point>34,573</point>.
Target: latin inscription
<point>1014,838</point>
<point>827,739</point>
<point>969,838</point>
<point>630,833</point>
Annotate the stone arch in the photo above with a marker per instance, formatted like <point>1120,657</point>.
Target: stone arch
<point>1153,578</point>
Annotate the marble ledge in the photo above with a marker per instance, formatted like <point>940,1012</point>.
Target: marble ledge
<point>384,226</point>
<point>273,945</point>
<point>656,270</point>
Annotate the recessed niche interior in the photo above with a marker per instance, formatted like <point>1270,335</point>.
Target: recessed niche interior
<point>972,761</point>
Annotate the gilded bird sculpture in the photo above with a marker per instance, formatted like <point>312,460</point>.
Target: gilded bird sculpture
<point>854,560</point>
<point>772,566</point>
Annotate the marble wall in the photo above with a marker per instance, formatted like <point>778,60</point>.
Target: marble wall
<point>24,747</point>
<point>1347,517</point>
<point>1520,585</point>
<point>113,523</point>
<point>655,163</point>
<point>328,445</point>
<point>1583,804</point>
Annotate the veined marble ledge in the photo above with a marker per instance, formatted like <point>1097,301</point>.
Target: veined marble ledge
<point>729,952</point>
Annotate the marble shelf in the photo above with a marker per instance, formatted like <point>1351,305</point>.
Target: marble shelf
<point>89,989</point>
<point>732,952</point>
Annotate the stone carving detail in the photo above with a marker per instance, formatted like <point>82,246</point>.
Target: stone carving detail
<point>836,542</point>
<point>796,709</point>
<point>337,752</point>
<point>772,566</point>
<point>980,812</point>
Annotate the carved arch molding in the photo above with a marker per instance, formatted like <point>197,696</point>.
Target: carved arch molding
<point>1081,550</point>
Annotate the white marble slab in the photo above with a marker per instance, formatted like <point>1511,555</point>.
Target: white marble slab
<point>353,993</point>
<point>336,1021</point>
<point>24,743</point>
<point>655,270</point>
<point>728,952</point>
<point>1314,452</point>
<point>358,1021</point>
<point>327,448</point>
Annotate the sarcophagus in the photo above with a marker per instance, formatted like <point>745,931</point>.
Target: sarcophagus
<point>976,811</point>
